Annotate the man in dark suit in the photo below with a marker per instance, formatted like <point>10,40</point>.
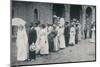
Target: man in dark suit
<point>32,39</point>
<point>66,33</point>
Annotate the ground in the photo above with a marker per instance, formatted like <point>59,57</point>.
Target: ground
<point>83,51</point>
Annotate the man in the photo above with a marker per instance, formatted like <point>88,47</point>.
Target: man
<point>66,33</point>
<point>32,40</point>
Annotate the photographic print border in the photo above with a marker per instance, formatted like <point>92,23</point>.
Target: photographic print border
<point>50,63</point>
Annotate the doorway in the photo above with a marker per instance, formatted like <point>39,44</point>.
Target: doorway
<point>59,10</point>
<point>76,12</point>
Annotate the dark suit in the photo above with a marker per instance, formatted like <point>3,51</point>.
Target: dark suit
<point>67,35</point>
<point>32,39</point>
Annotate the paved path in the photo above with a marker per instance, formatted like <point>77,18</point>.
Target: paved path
<point>84,51</point>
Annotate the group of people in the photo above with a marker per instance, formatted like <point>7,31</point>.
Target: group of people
<point>46,38</point>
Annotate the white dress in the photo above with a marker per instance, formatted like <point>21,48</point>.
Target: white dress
<point>38,39</point>
<point>61,22</point>
<point>61,37</point>
<point>50,28</point>
<point>79,35</point>
<point>93,35</point>
<point>56,43</point>
<point>44,41</point>
<point>72,36</point>
<point>22,45</point>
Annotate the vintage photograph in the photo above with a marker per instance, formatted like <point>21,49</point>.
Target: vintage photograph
<point>52,33</point>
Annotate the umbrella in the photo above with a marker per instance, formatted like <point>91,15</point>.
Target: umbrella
<point>18,21</point>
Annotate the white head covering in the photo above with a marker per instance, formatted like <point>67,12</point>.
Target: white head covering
<point>61,21</point>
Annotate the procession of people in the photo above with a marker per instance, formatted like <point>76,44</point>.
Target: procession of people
<point>46,38</point>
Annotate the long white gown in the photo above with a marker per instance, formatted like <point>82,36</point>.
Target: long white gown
<point>72,36</point>
<point>44,41</point>
<point>61,37</point>
<point>56,42</point>
<point>79,35</point>
<point>38,37</point>
<point>93,35</point>
<point>22,45</point>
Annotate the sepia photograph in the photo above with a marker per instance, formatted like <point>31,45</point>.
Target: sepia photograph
<point>52,33</point>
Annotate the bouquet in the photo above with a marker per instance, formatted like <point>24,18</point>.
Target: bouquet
<point>32,47</point>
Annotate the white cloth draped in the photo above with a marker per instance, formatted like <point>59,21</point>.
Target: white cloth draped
<point>56,43</point>
<point>44,47</point>
<point>61,37</point>
<point>38,37</point>
<point>72,36</point>
<point>61,22</point>
<point>93,35</point>
<point>22,45</point>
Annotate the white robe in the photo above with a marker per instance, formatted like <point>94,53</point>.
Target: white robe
<point>50,28</point>
<point>61,37</point>
<point>22,45</point>
<point>44,42</point>
<point>38,39</point>
<point>61,22</point>
<point>79,35</point>
<point>72,36</point>
<point>56,43</point>
<point>93,35</point>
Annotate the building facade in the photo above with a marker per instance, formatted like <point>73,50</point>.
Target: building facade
<point>43,12</point>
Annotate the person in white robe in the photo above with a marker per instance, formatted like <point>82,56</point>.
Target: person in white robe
<point>22,43</point>
<point>61,21</point>
<point>61,37</point>
<point>56,43</point>
<point>93,35</point>
<point>72,35</point>
<point>38,30</point>
<point>79,35</point>
<point>44,50</point>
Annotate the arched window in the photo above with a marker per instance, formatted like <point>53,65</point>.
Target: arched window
<point>36,15</point>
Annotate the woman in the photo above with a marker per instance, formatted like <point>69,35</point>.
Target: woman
<point>50,38</point>
<point>55,39</point>
<point>93,34</point>
<point>44,50</point>
<point>22,43</point>
<point>61,37</point>
<point>79,36</point>
<point>72,35</point>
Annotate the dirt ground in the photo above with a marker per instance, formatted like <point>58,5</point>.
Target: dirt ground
<point>83,51</point>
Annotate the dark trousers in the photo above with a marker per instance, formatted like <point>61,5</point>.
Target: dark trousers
<point>67,40</point>
<point>32,55</point>
<point>85,33</point>
<point>76,39</point>
<point>51,45</point>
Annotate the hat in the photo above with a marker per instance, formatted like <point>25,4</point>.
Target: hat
<point>18,21</point>
<point>74,19</point>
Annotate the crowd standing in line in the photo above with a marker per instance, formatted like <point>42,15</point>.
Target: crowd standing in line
<point>46,38</point>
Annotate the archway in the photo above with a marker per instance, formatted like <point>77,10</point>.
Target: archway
<point>59,10</point>
<point>35,15</point>
<point>88,21</point>
<point>76,12</point>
